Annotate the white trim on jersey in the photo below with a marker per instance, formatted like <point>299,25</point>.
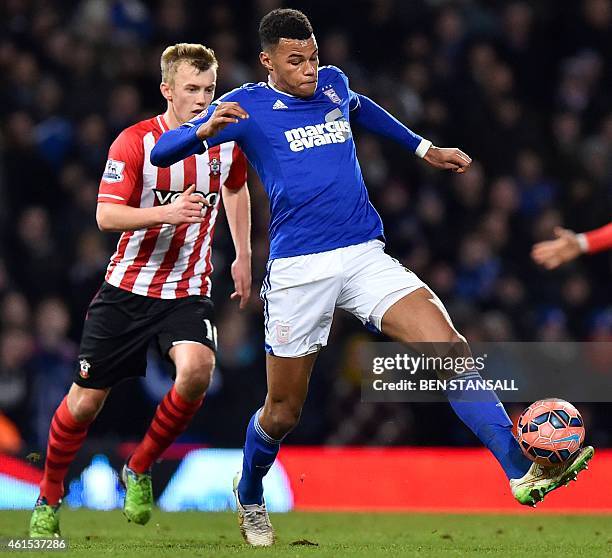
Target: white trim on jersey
<point>111,196</point>
<point>422,148</point>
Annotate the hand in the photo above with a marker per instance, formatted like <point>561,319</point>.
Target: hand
<point>552,253</point>
<point>448,158</point>
<point>186,208</point>
<point>225,113</point>
<point>241,274</point>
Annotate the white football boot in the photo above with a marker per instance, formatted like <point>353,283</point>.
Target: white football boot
<point>254,521</point>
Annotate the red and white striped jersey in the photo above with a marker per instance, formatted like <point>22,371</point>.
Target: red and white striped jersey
<point>167,261</point>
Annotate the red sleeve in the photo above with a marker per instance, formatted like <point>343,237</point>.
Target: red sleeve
<point>237,176</point>
<point>599,239</point>
<point>123,171</point>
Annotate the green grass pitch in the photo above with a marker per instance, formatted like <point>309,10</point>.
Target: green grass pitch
<point>92,534</point>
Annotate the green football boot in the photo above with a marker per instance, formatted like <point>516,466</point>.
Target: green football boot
<point>138,502</point>
<point>44,523</point>
<point>539,481</point>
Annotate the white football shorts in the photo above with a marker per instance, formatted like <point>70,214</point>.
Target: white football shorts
<point>300,294</point>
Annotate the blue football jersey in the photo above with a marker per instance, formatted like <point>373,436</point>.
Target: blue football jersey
<point>304,153</point>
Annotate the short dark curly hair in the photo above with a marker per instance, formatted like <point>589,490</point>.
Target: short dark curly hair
<point>283,23</point>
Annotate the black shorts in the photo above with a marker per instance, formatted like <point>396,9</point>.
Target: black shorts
<point>120,325</point>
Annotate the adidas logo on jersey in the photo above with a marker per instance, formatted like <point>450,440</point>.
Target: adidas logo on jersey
<point>337,131</point>
<point>279,105</point>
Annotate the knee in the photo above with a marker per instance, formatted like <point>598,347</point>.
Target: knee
<point>85,404</point>
<point>278,418</point>
<point>194,376</point>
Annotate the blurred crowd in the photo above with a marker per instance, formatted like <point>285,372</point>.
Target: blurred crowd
<point>522,87</point>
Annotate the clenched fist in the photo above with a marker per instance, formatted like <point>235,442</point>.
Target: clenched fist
<point>186,208</point>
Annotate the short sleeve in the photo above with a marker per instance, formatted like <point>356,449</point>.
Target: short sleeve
<point>238,171</point>
<point>123,171</point>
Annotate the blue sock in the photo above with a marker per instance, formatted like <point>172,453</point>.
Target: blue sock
<point>486,417</point>
<point>260,451</point>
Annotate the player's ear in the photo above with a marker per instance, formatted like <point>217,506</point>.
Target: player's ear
<point>265,60</point>
<point>166,91</point>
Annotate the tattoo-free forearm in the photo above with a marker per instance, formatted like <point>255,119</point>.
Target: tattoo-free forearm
<point>238,210</point>
<point>113,217</point>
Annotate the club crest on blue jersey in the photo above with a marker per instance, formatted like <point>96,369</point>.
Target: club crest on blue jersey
<point>332,95</point>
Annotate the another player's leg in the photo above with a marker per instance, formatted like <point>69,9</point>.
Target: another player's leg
<point>287,389</point>
<point>420,317</point>
<point>194,365</point>
<point>66,435</point>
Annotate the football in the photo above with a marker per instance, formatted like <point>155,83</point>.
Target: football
<point>550,431</point>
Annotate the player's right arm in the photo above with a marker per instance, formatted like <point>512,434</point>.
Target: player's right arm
<point>122,176</point>
<point>197,135</point>
<point>187,208</point>
<point>568,246</point>
<point>376,119</point>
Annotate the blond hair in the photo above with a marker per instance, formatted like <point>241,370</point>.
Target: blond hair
<point>199,56</point>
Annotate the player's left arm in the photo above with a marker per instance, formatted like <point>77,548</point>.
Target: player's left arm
<point>237,202</point>
<point>377,120</point>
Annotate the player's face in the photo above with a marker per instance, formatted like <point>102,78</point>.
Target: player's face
<point>191,92</point>
<point>293,65</point>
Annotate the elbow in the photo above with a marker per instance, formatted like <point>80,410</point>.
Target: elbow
<point>102,219</point>
<point>102,225</point>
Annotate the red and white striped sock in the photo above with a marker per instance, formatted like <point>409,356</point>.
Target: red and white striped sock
<point>172,417</point>
<point>66,436</point>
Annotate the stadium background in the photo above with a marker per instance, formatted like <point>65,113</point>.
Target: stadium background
<point>524,88</point>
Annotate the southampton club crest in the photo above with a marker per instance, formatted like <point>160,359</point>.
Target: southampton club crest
<point>85,366</point>
<point>215,167</point>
